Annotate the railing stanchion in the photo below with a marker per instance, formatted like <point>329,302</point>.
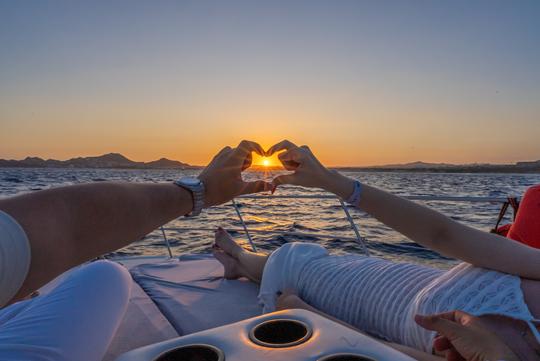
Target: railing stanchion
<point>359,238</point>
<point>235,205</point>
<point>166,242</point>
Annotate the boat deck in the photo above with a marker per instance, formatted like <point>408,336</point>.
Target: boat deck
<point>174,297</point>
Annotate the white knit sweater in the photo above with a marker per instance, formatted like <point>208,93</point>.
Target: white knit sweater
<point>381,297</point>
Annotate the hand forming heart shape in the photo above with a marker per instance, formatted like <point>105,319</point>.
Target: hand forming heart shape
<point>223,176</point>
<point>308,171</point>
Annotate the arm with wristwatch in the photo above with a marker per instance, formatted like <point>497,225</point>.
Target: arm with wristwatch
<point>460,335</point>
<point>421,224</point>
<point>67,226</point>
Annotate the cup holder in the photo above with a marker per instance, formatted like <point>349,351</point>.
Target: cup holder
<point>199,352</point>
<point>345,357</point>
<point>280,333</point>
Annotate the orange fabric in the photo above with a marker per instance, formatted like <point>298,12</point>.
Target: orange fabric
<point>526,227</point>
<point>503,230</point>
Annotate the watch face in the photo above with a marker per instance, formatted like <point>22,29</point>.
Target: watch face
<point>190,181</point>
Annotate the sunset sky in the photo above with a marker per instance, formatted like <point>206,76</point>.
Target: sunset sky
<point>361,82</point>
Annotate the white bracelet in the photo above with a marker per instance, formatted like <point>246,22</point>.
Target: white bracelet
<point>354,198</point>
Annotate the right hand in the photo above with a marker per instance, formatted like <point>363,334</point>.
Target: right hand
<point>222,178</point>
<point>308,171</point>
<point>464,337</point>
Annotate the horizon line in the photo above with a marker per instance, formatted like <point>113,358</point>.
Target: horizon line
<point>274,166</point>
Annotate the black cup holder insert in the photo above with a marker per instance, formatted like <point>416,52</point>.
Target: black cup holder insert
<point>280,333</point>
<point>346,357</point>
<point>199,352</point>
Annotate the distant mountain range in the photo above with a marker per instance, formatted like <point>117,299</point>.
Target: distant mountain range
<point>519,167</point>
<point>111,160</point>
<point>116,160</point>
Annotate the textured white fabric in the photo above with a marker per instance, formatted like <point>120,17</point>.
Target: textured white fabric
<point>143,324</point>
<point>474,290</point>
<point>282,270</point>
<point>381,297</point>
<point>14,257</point>
<point>75,320</point>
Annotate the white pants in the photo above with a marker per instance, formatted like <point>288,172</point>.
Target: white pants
<point>74,321</point>
<point>372,294</point>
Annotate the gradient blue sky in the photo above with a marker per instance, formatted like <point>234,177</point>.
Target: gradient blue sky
<point>362,82</point>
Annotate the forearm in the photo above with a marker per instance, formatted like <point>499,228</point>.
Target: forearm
<point>70,225</point>
<point>411,219</point>
<point>440,233</point>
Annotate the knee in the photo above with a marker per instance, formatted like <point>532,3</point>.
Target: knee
<point>108,277</point>
<point>304,249</point>
<point>109,270</point>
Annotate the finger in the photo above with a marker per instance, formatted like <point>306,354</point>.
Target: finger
<point>255,187</point>
<point>247,146</point>
<point>286,158</point>
<point>283,145</point>
<point>222,152</point>
<point>305,147</point>
<point>241,153</point>
<point>307,150</point>
<point>463,317</point>
<point>453,355</point>
<point>285,179</point>
<point>293,158</point>
<point>450,315</point>
<point>247,162</point>
<point>440,324</point>
<point>441,343</point>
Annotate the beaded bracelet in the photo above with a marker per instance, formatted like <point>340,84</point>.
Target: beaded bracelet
<point>354,198</point>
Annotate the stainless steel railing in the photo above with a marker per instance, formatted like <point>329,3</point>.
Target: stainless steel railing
<point>358,238</point>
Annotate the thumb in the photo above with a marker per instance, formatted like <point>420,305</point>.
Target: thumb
<point>440,324</point>
<point>255,187</point>
<point>284,179</point>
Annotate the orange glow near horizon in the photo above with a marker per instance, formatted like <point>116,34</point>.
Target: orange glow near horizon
<point>266,162</point>
<point>181,80</point>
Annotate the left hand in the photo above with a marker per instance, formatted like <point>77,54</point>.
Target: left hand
<point>308,170</point>
<point>464,337</point>
<point>222,177</point>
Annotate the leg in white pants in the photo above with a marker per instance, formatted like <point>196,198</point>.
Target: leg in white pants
<point>75,321</point>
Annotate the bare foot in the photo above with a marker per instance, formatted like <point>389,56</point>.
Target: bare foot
<point>227,243</point>
<point>231,266</point>
<point>249,264</point>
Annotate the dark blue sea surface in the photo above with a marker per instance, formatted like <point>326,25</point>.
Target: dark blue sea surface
<point>324,217</point>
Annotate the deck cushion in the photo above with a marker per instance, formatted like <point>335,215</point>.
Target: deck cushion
<point>143,324</point>
<point>193,295</point>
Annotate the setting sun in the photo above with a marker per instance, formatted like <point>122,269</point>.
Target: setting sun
<point>266,162</point>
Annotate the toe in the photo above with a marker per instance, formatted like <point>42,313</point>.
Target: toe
<point>230,265</point>
<point>227,243</point>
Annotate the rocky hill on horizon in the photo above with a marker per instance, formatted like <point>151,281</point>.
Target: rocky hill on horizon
<point>119,161</point>
<point>110,160</point>
<point>419,166</point>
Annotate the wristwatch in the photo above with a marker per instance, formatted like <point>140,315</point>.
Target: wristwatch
<point>196,187</point>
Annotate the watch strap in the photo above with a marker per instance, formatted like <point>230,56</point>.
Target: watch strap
<point>354,198</point>
<point>197,192</point>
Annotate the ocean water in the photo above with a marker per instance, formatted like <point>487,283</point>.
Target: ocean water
<point>324,217</point>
